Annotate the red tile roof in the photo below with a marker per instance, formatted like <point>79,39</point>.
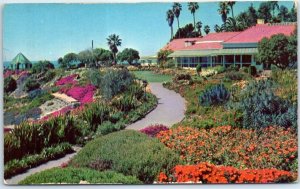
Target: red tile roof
<point>210,41</point>
<point>256,33</point>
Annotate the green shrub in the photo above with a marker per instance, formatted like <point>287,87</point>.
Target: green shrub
<point>75,175</point>
<point>14,167</point>
<point>49,75</point>
<point>31,84</point>
<point>130,152</point>
<point>95,114</point>
<point>232,68</point>
<point>198,68</point>
<point>219,69</point>
<point>109,127</point>
<point>215,95</point>
<point>125,103</point>
<point>252,70</point>
<point>42,66</point>
<point>234,75</point>
<point>10,84</point>
<point>244,69</point>
<point>32,138</point>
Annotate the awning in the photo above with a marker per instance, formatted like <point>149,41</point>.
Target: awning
<point>198,53</point>
<point>192,53</point>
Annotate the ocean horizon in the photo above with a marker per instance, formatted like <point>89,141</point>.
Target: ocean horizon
<point>7,63</point>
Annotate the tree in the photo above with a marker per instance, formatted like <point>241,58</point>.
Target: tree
<point>223,10</point>
<point>231,4</point>
<point>61,62</point>
<point>264,11</point>
<point>186,32</point>
<point>199,26</point>
<point>113,42</point>
<point>170,20</point>
<point>193,6</point>
<point>206,29</point>
<point>86,57</point>
<point>283,13</point>
<point>162,56</point>
<point>252,16</point>
<point>293,14</point>
<point>232,25</point>
<point>102,56</point>
<point>70,59</point>
<point>129,55</point>
<point>42,66</point>
<point>217,28</point>
<point>176,10</point>
<point>273,6</point>
<point>292,47</point>
<point>275,51</point>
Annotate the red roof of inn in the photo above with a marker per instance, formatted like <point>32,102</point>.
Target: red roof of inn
<point>210,41</point>
<point>256,33</point>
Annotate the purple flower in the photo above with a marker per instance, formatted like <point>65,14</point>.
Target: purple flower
<point>153,130</point>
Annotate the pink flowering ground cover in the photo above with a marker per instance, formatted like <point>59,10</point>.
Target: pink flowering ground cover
<point>153,130</point>
<point>57,113</point>
<point>18,73</point>
<point>84,94</point>
<point>67,80</point>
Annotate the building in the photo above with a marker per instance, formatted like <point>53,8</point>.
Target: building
<point>20,62</point>
<point>225,48</point>
<point>148,60</point>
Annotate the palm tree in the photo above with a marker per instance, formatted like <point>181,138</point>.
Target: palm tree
<point>199,26</point>
<point>223,10</point>
<point>206,29</point>
<point>170,19</point>
<point>193,6</point>
<point>231,4</point>
<point>217,28</point>
<point>176,10</point>
<point>233,24</point>
<point>113,41</point>
<point>274,5</point>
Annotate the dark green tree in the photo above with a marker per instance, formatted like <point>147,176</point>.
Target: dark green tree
<point>264,11</point>
<point>42,66</point>
<point>199,26</point>
<point>217,28</point>
<point>283,13</point>
<point>170,20</point>
<point>61,62</point>
<point>113,42</point>
<point>129,55</point>
<point>231,4</point>
<point>223,10</point>
<point>162,57</point>
<point>273,6</point>
<point>293,14</point>
<point>292,47</point>
<point>176,10</point>
<point>86,57</point>
<point>102,56</point>
<point>69,59</point>
<point>206,29</point>
<point>187,31</point>
<point>275,51</point>
<point>193,7</point>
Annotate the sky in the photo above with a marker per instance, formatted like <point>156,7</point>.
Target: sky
<point>49,31</point>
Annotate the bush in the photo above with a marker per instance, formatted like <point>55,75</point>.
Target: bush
<point>180,77</point>
<point>109,127</point>
<point>232,68</point>
<point>252,70</point>
<point>10,84</point>
<point>242,148</point>
<point>14,167</point>
<point>75,175</point>
<point>235,76</point>
<point>130,153</point>
<point>125,103</point>
<point>215,95</point>
<point>42,66</point>
<point>209,173</point>
<point>49,75</point>
<point>244,69</point>
<point>114,82</point>
<point>31,84</point>
<point>153,130</point>
<point>32,138</point>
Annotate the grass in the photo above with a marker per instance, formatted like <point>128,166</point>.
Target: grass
<point>150,76</point>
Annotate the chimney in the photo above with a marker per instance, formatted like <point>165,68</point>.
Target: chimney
<point>189,43</point>
<point>260,21</point>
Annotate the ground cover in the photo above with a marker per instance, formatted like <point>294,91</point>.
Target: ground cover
<point>77,176</point>
<point>151,76</point>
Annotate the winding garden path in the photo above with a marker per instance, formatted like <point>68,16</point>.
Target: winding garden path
<point>170,108</point>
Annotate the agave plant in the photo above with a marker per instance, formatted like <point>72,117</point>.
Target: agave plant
<point>218,94</point>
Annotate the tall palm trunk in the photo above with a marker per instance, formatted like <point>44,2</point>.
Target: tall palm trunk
<point>178,26</point>
<point>194,21</point>
<point>171,32</point>
<point>231,7</point>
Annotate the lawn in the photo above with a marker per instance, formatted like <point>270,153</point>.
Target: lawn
<point>152,77</point>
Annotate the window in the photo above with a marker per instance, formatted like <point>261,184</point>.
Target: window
<point>246,58</point>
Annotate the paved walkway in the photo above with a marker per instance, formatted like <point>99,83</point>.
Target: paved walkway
<point>50,164</point>
<point>170,108</point>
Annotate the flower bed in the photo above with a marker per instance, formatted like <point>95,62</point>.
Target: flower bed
<point>209,173</point>
<point>84,94</point>
<point>67,80</point>
<point>241,148</point>
<point>57,113</point>
<point>153,130</point>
